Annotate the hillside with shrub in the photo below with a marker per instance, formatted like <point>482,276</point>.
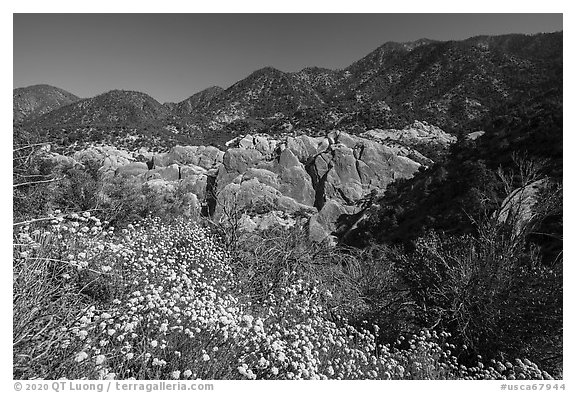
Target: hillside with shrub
<point>398,219</point>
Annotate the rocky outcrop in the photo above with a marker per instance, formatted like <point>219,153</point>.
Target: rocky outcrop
<point>346,174</point>
<point>321,178</point>
<point>305,172</point>
<point>132,169</point>
<point>207,157</point>
<point>294,180</point>
<point>253,196</point>
<point>322,225</point>
<point>107,158</point>
<point>262,143</point>
<point>415,134</point>
<point>305,147</point>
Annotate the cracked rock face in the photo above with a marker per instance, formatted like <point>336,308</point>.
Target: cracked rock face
<point>321,178</point>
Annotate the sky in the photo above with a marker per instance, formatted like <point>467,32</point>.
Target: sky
<point>172,56</point>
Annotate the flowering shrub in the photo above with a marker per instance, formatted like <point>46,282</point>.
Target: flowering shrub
<point>165,301</point>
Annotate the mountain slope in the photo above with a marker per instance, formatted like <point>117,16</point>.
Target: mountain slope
<point>117,107</point>
<point>198,102</point>
<point>456,83</point>
<point>264,93</point>
<point>33,101</point>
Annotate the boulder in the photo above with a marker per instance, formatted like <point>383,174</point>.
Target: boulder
<point>296,183</point>
<point>349,170</point>
<point>289,205</point>
<point>239,160</point>
<point>305,147</point>
<point>107,158</point>
<point>170,173</point>
<point>132,169</point>
<point>250,194</point>
<point>288,159</point>
<point>196,184</point>
<point>322,225</point>
<point>264,176</point>
<point>192,170</point>
<point>417,133</point>
<point>262,143</point>
<point>207,157</point>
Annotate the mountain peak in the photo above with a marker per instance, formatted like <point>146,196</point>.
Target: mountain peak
<point>33,101</point>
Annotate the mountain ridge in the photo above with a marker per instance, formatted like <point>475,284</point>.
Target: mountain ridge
<point>452,84</point>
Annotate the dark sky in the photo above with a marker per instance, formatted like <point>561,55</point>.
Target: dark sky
<point>172,56</point>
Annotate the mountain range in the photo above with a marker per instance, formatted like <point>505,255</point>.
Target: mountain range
<point>455,85</point>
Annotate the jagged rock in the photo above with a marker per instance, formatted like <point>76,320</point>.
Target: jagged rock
<point>417,133</point>
<point>347,174</point>
<point>159,186</point>
<point>207,157</point>
<point>261,143</point>
<point>264,176</point>
<point>248,194</point>
<point>338,137</point>
<point>107,158</point>
<point>296,183</point>
<point>382,165</point>
<point>289,205</point>
<point>305,147</point>
<point>474,135</point>
<point>169,173</point>
<point>192,170</point>
<point>239,160</point>
<point>196,184</point>
<point>132,169</point>
<point>324,223</point>
<point>253,195</point>
<point>287,159</point>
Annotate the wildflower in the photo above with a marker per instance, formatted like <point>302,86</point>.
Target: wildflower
<point>129,355</point>
<point>187,373</point>
<point>100,359</point>
<point>175,374</point>
<point>154,343</point>
<point>81,356</point>
<point>205,357</point>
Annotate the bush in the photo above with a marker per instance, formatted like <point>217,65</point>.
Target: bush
<point>491,296</point>
<point>160,300</point>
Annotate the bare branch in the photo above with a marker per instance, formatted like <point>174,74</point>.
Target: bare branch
<point>36,182</point>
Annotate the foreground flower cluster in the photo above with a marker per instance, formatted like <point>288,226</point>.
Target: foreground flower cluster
<point>162,301</point>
